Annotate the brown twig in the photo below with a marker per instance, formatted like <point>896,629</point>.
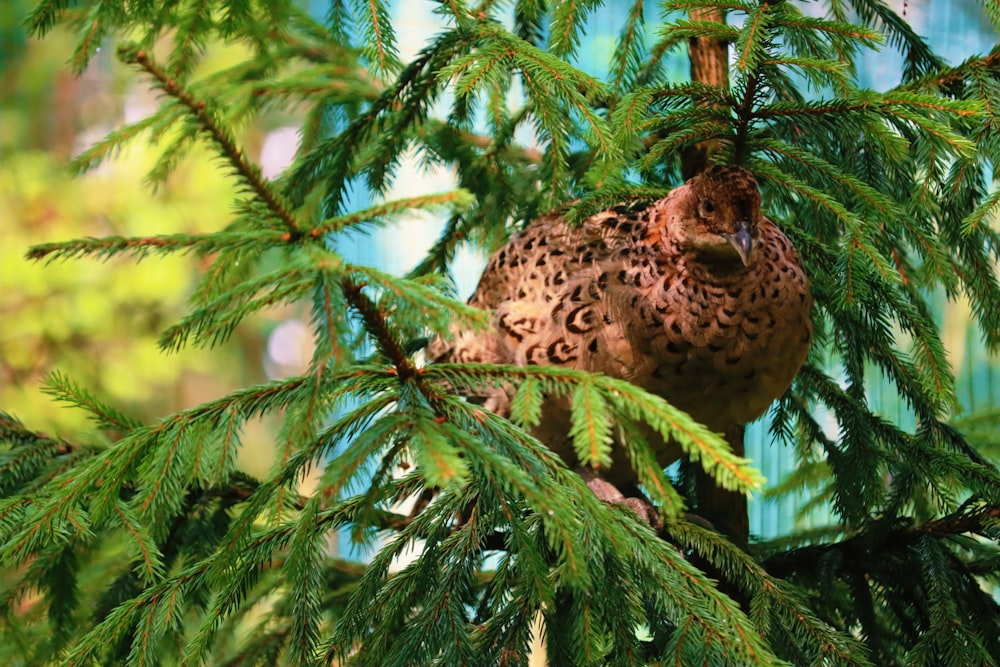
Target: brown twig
<point>377,325</point>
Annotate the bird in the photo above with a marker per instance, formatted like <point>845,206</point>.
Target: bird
<point>696,297</point>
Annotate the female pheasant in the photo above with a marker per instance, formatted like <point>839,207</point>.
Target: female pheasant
<point>697,298</point>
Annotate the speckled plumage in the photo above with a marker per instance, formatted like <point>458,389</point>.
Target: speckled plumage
<point>697,298</point>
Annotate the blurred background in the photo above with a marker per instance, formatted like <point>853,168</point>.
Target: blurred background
<point>98,322</point>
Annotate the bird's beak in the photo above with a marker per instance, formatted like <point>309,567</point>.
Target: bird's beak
<point>741,241</point>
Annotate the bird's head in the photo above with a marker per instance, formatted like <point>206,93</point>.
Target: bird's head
<point>715,215</point>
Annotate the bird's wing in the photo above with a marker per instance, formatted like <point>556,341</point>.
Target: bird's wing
<point>545,288</point>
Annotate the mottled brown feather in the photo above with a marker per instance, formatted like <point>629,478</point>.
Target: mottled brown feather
<point>657,295</point>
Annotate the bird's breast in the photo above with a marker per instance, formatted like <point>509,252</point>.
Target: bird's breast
<point>722,350</point>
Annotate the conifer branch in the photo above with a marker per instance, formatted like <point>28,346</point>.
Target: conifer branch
<point>485,143</point>
<point>981,522</point>
<point>64,389</point>
<point>918,57</point>
<point>12,431</point>
<point>250,173</point>
<point>378,327</point>
<point>775,602</point>
<point>199,109</point>
<point>744,116</point>
<point>214,321</point>
<point>379,42</point>
<point>455,199</point>
<point>710,449</point>
<point>947,77</point>
<point>628,55</point>
<point>143,246</point>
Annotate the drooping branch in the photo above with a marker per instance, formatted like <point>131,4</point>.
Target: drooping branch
<point>879,538</point>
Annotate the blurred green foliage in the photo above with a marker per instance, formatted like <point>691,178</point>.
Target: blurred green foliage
<point>98,323</point>
<point>112,312</point>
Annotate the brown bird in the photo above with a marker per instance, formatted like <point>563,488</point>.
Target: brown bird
<point>696,297</point>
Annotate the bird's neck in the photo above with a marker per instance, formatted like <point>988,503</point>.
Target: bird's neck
<point>709,268</point>
<point>716,268</point>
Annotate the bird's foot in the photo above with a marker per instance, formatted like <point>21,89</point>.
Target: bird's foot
<point>609,493</point>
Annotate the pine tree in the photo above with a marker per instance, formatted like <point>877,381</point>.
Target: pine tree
<point>149,546</point>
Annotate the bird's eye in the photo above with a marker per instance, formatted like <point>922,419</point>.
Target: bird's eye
<point>707,207</point>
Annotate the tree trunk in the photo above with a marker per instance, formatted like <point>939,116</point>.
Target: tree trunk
<point>725,510</point>
<point>709,64</point>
